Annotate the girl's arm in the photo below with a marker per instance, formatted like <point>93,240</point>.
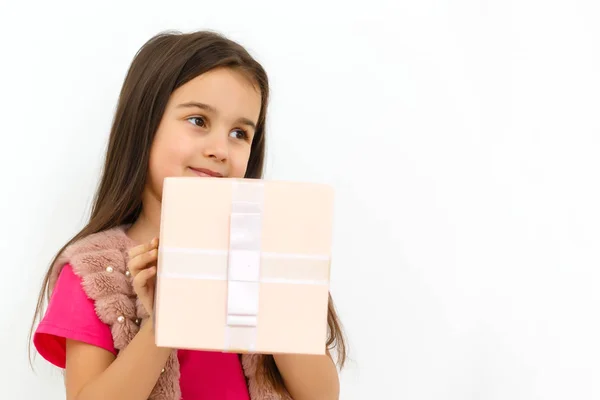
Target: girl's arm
<point>94,373</point>
<point>309,377</point>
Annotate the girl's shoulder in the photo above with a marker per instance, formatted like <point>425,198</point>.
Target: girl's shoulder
<point>101,252</point>
<point>113,239</point>
<point>99,261</point>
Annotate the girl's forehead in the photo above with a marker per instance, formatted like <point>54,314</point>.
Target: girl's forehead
<point>223,89</point>
<point>218,80</point>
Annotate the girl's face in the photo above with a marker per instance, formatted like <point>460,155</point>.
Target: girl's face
<point>206,130</point>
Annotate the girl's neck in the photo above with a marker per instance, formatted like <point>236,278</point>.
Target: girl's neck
<point>147,226</point>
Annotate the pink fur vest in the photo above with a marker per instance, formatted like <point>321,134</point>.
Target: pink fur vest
<point>100,260</point>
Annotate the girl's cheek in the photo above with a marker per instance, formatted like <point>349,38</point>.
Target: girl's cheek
<point>239,168</point>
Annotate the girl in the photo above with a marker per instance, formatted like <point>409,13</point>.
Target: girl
<point>191,105</point>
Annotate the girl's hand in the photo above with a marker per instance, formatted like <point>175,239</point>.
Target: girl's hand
<point>142,266</point>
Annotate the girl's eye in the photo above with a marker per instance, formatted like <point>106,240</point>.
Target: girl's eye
<point>239,134</point>
<point>198,121</point>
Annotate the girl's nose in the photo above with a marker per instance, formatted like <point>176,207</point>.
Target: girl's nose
<point>216,146</point>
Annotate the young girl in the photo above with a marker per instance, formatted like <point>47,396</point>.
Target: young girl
<point>191,105</point>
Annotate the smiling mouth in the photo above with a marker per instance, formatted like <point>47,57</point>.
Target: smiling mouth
<point>206,173</point>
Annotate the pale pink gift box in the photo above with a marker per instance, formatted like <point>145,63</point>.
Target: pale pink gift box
<point>244,265</point>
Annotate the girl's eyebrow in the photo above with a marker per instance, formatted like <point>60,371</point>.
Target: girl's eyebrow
<point>195,104</point>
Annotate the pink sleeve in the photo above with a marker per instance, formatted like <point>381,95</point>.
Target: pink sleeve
<point>70,315</point>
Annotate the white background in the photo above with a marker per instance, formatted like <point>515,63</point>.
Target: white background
<point>462,138</point>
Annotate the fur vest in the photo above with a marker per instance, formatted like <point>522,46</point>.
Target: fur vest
<point>100,260</point>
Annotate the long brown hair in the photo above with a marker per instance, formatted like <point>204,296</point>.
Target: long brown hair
<point>163,64</point>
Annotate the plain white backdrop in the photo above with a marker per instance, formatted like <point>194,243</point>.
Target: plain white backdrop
<point>462,138</point>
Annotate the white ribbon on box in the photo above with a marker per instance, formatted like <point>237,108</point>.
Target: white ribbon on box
<point>243,274</point>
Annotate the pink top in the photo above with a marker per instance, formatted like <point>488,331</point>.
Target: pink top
<point>71,315</point>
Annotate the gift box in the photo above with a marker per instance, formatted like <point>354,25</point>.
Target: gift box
<point>243,265</point>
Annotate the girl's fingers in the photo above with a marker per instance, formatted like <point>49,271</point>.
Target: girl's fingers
<point>141,261</point>
<point>143,248</point>
<point>142,278</point>
<point>142,266</point>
